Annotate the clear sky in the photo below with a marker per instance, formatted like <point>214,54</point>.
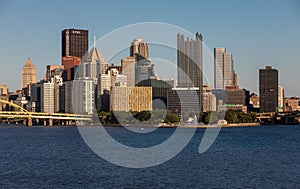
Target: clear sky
<point>258,33</point>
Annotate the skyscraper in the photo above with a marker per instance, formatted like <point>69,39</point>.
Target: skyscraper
<point>139,46</point>
<point>74,42</point>
<point>268,89</point>
<point>94,63</point>
<point>224,73</point>
<point>189,62</point>
<point>128,69</point>
<point>28,73</point>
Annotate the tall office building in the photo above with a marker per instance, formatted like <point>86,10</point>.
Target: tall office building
<point>75,42</point>
<point>143,69</point>
<point>268,89</point>
<point>83,98</point>
<point>128,69</point>
<point>28,73</point>
<point>224,73</point>
<point>189,62</point>
<point>139,46</point>
<point>281,103</point>
<point>47,97</point>
<point>94,63</point>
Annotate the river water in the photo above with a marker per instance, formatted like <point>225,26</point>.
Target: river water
<point>57,157</point>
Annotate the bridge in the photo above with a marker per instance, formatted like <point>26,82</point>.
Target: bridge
<point>28,117</point>
<point>286,118</point>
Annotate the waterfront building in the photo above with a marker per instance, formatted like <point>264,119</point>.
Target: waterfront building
<point>223,69</point>
<point>189,62</point>
<point>292,104</point>
<point>281,104</point>
<point>119,98</point>
<point>140,99</point>
<point>128,69</point>
<point>139,46</point>
<point>235,96</point>
<point>237,107</point>
<point>74,42</point>
<point>28,73</point>
<point>268,89</point>
<point>160,91</point>
<point>83,96</point>
<point>184,100</point>
<point>68,87</point>
<point>47,97</point>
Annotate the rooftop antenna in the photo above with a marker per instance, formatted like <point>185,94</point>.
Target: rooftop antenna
<point>94,41</point>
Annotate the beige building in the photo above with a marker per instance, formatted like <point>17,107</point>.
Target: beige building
<point>139,46</point>
<point>280,99</point>
<point>28,73</point>
<point>119,98</point>
<point>130,98</point>
<point>3,90</point>
<point>140,99</point>
<point>128,69</point>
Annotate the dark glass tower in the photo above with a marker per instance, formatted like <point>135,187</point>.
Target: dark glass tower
<point>75,42</point>
<point>189,64</point>
<point>268,89</point>
<point>189,61</point>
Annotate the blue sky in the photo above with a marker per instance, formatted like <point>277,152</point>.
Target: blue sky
<point>258,33</point>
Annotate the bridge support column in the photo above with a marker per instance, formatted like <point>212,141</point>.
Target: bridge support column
<point>45,122</point>
<point>29,122</point>
<point>50,122</point>
<point>25,122</point>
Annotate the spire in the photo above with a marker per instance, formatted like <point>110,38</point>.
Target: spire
<point>94,41</point>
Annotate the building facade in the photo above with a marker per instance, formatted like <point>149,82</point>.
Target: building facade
<point>83,96</point>
<point>189,62</point>
<point>268,89</point>
<point>94,63</point>
<point>75,42</point>
<point>28,73</point>
<point>47,97</point>
<point>139,46</point>
<point>223,69</point>
<point>69,62</point>
<point>281,104</point>
<point>183,100</point>
<point>128,69</point>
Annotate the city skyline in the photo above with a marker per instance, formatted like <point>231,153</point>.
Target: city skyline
<point>252,38</point>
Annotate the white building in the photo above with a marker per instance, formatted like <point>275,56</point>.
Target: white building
<point>280,99</point>
<point>47,97</point>
<point>83,96</point>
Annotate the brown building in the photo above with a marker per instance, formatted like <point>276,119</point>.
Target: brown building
<point>139,46</point>
<point>74,42</point>
<point>292,104</point>
<point>28,73</point>
<point>128,69</point>
<point>268,89</point>
<point>70,62</point>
